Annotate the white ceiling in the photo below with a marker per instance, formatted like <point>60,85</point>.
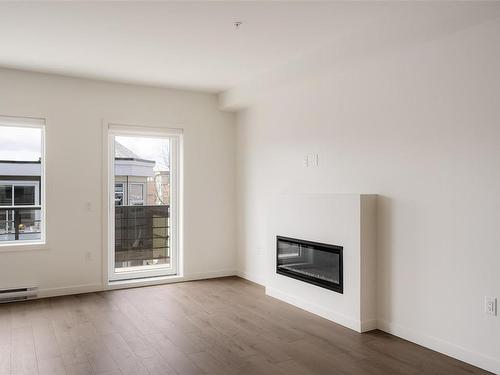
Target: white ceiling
<point>192,45</point>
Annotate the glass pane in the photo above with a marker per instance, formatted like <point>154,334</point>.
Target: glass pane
<point>21,223</point>
<point>118,199</point>
<point>142,210</point>
<point>136,194</point>
<point>24,195</point>
<point>308,261</point>
<point>5,195</point>
<point>21,166</point>
<point>119,193</point>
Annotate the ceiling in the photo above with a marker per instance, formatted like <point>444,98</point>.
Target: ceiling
<point>192,45</point>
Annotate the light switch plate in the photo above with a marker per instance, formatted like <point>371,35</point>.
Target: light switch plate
<point>490,305</point>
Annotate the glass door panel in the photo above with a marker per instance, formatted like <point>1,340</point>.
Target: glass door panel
<point>143,218</point>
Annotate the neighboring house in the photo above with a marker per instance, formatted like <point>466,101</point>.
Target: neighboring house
<point>137,182</point>
<point>131,177</point>
<point>20,197</point>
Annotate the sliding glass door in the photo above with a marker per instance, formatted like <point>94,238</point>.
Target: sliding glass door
<point>143,202</point>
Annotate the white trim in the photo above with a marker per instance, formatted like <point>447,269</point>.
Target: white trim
<point>329,314</point>
<point>442,346</point>
<point>89,288</point>
<point>150,281</point>
<point>110,131</point>
<point>138,130</point>
<point>106,193</point>
<point>210,275</point>
<point>254,279</point>
<point>23,122</point>
<point>39,123</point>
<point>368,325</point>
<point>69,290</point>
<point>25,245</point>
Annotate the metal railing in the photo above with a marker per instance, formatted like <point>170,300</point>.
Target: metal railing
<point>141,235</point>
<point>20,223</point>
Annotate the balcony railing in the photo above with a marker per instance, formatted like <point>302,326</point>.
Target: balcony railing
<point>20,223</point>
<point>141,236</point>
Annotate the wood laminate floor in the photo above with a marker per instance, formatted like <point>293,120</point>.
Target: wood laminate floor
<point>220,326</point>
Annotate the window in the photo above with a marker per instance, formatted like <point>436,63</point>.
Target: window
<point>24,195</point>
<point>19,193</point>
<point>119,194</point>
<point>136,194</point>
<point>21,181</point>
<point>5,195</point>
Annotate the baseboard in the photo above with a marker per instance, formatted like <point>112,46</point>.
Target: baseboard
<point>441,346</point>
<point>209,275</point>
<point>315,309</point>
<point>253,278</point>
<point>369,325</point>
<point>152,281</point>
<point>67,290</point>
<point>89,288</point>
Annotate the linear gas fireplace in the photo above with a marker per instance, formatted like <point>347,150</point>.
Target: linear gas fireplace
<point>312,262</point>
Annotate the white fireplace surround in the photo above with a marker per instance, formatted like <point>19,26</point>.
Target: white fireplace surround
<point>347,220</point>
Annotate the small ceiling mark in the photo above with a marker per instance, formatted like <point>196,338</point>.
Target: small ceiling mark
<point>237,25</point>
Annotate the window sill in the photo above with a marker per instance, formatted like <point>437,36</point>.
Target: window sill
<point>24,246</point>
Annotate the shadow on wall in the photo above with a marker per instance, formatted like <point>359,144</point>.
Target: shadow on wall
<point>384,256</point>
<point>400,258</point>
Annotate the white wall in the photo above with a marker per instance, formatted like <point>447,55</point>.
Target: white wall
<point>419,125</point>
<point>346,220</point>
<point>74,110</point>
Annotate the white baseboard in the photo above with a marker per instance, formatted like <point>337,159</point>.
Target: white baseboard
<point>368,325</point>
<point>254,279</point>
<point>329,314</point>
<point>88,288</point>
<point>210,275</point>
<point>442,346</point>
<point>151,281</point>
<point>67,290</point>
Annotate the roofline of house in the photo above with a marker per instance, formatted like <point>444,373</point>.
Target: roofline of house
<point>136,159</point>
<point>21,161</point>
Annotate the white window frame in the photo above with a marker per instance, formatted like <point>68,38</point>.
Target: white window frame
<point>16,245</point>
<point>112,130</point>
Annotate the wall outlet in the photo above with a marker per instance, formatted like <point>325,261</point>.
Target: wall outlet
<point>89,206</point>
<point>490,305</point>
<point>310,160</point>
<point>314,160</point>
<point>88,256</point>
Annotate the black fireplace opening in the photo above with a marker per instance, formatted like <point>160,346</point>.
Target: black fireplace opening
<point>313,262</point>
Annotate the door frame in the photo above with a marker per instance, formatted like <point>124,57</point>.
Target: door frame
<point>110,130</point>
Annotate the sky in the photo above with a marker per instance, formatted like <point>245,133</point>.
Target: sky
<point>25,144</point>
<point>20,143</point>
<point>148,148</point>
